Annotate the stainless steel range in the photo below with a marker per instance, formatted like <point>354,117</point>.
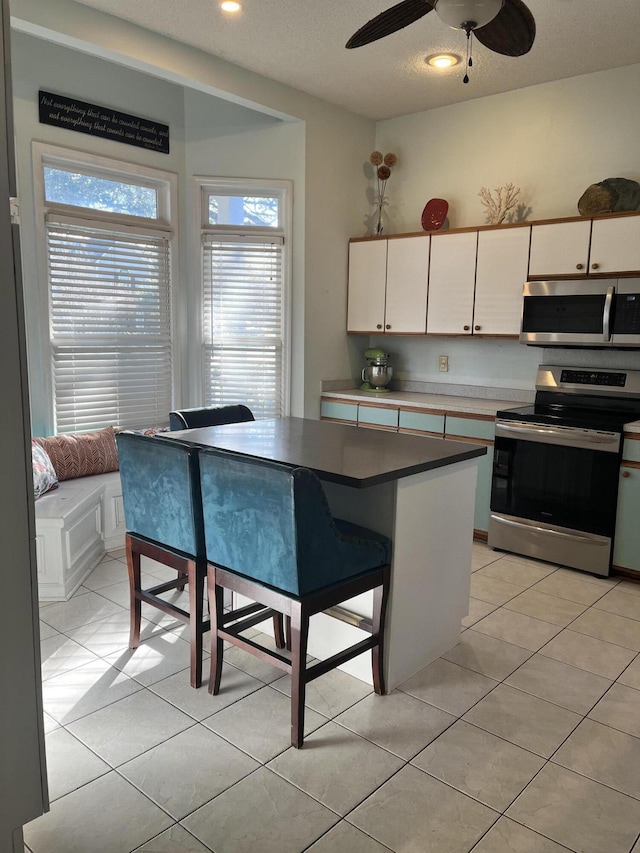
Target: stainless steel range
<point>557,465</point>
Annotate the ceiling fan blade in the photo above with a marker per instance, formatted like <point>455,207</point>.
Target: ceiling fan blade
<point>512,31</point>
<point>394,19</point>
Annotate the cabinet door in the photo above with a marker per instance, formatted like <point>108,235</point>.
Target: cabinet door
<point>407,278</point>
<point>501,271</point>
<point>451,283</point>
<point>559,248</point>
<point>615,245</point>
<point>367,281</point>
<point>626,550</point>
<point>335,410</point>
<point>380,416</point>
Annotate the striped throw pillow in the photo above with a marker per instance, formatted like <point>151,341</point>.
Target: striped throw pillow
<point>82,454</point>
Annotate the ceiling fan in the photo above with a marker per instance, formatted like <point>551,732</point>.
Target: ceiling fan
<point>503,26</point>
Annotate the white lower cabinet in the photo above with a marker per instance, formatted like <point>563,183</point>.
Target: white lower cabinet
<point>626,549</point>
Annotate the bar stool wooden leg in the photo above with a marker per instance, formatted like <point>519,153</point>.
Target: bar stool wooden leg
<point>299,632</point>
<point>135,608</point>
<point>216,611</point>
<point>195,580</point>
<point>380,595</point>
<point>278,631</point>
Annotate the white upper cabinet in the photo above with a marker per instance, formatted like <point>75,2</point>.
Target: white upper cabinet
<point>451,283</point>
<point>388,285</point>
<point>615,245</point>
<point>367,286</point>
<point>407,282</point>
<point>560,248</point>
<point>501,271</point>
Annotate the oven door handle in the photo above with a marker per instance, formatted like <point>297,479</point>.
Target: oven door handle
<point>605,441</point>
<point>606,318</point>
<point>574,537</point>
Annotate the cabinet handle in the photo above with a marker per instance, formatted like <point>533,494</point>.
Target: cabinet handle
<point>387,326</point>
<point>579,266</point>
<point>379,326</point>
<point>595,266</point>
<point>477,328</point>
<point>466,328</point>
<point>626,474</point>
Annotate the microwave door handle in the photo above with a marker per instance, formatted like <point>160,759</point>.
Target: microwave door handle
<point>606,318</point>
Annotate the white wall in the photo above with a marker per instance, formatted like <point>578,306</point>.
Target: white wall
<point>551,140</point>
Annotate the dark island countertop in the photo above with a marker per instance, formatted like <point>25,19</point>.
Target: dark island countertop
<point>339,453</point>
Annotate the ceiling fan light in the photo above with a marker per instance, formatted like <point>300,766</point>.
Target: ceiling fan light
<point>442,60</point>
<point>230,6</point>
<point>457,13</point>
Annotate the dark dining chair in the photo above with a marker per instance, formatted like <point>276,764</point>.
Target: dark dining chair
<point>209,416</point>
<point>270,536</point>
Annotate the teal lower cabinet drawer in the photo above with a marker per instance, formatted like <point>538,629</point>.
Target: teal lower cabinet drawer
<point>631,450</point>
<point>428,422</point>
<point>338,411</point>
<point>626,549</point>
<point>470,427</point>
<point>378,416</point>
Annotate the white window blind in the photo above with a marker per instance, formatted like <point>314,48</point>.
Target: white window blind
<point>243,322</point>
<point>110,316</point>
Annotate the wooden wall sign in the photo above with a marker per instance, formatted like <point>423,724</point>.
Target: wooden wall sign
<point>72,114</point>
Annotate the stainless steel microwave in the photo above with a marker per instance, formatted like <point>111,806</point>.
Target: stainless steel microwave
<point>581,313</point>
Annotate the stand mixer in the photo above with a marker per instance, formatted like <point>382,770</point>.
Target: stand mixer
<point>377,374</point>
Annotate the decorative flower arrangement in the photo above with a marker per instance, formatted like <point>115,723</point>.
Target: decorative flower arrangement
<point>383,164</point>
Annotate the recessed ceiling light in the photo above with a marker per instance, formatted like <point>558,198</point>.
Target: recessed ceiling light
<point>442,60</point>
<point>230,6</point>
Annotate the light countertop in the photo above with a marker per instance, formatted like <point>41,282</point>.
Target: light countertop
<point>440,402</point>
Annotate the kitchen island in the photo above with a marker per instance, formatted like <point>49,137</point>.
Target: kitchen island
<point>417,490</point>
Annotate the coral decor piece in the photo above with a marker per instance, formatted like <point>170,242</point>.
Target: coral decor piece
<point>499,207</point>
<point>383,164</point>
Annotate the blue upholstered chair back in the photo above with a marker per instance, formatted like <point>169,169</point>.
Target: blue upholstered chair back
<point>272,523</point>
<point>161,491</point>
<point>211,416</point>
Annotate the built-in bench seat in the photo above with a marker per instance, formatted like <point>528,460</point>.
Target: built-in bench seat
<point>75,525</point>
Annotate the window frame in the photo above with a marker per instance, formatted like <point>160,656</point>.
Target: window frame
<point>206,186</point>
<point>166,184</point>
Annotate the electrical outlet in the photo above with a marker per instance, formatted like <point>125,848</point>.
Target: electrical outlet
<point>443,363</point>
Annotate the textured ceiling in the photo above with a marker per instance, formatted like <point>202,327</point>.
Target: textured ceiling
<point>301,43</point>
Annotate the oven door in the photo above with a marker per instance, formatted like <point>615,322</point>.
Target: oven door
<point>554,493</point>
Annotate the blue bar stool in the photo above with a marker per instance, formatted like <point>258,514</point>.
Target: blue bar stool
<point>163,516</point>
<point>271,537</point>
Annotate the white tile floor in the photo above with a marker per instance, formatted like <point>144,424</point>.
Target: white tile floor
<point>524,738</point>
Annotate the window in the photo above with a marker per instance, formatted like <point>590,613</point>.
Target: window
<point>245,295</point>
<point>108,246</point>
